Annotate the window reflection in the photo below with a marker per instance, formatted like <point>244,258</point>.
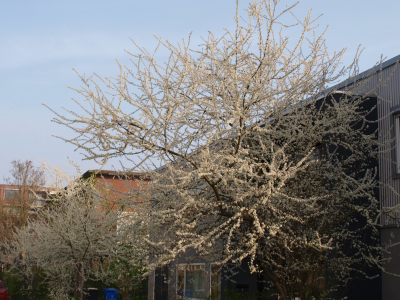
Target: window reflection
<point>191,282</point>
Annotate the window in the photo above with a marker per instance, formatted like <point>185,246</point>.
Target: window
<point>38,197</point>
<point>396,128</point>
<point>191,281</point>
<point>395,124</point>
<point>11,211</point>
<point>11,194</point>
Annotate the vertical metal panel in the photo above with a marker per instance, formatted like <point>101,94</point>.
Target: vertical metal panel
<point>388,96</point>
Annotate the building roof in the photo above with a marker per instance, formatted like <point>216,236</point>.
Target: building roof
<point>365,74</point>
<point>88,173</point>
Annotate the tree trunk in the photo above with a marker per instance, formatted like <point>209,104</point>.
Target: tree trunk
<point>33,286</point>
<point>78,292</point>
<point>281,289</point>
<point>81,282</point>
<point>125,293</point>
<point>76,289</point>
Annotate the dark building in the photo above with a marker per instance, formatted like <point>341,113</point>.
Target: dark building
<point>196,280</point>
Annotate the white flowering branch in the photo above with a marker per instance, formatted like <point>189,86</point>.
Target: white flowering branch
<point>244,161</point>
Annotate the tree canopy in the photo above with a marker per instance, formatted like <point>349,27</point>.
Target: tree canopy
<point>249,155</point>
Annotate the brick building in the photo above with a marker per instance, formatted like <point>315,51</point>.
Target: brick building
<point>14,198</point>
<point>17,203</point>
<point>117,185</point>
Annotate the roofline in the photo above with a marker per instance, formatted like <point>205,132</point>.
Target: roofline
<point>16,186</point>
<point>112,173</point>
<point>364,74</point>
<point>385,64</point>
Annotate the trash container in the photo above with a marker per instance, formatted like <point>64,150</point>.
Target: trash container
<point>189,294</point>
<point>93,294</point>
<point>111,294</point>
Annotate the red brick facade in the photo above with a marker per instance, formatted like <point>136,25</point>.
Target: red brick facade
<point>8,187</point>
<point>118,185</point>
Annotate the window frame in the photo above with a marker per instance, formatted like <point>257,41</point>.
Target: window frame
<point>4,194</point>
<point>38,198</point>
<point>184,279</point>
<point>395,116</point>
<point>12,209</point>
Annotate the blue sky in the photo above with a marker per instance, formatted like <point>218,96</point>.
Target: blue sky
<point>42,41</point>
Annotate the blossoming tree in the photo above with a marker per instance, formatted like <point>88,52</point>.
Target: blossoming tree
<point>244,161</point>
<point>28,182</point>
<point>77,237</point>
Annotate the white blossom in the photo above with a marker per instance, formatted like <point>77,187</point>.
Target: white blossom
<point>79,235</point>
<point>241,155</point>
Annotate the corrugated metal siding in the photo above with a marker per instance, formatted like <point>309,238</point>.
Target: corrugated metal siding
<point>388,97</point>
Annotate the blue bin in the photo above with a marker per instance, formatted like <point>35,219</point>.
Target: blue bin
<point>188,294</point>
<point>111,294</point>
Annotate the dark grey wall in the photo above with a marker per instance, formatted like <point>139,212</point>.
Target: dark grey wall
<point>391,283</point>
<point>388,97</point>
<point>243,281</point>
